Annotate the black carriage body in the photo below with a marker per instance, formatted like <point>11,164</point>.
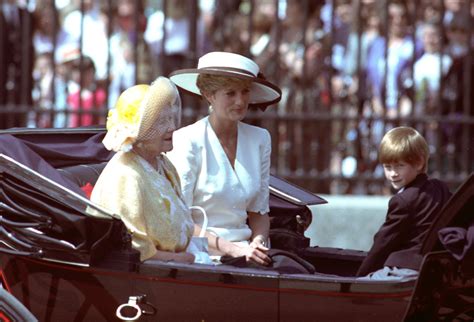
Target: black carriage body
<point>102,273</point>
<point>59,292</point>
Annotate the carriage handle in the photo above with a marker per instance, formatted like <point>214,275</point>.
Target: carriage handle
<point>124,311</point>
<point>205,221</point>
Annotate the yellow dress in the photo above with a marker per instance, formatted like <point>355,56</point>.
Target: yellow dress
<point>148,201</point>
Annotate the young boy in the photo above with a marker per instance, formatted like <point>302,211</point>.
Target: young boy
<point>395,253</point>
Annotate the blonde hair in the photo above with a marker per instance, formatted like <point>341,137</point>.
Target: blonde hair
<point>404,144</point>
<point>209,84</point>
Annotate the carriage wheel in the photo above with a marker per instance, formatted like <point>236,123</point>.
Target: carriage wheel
<point>12,310</point>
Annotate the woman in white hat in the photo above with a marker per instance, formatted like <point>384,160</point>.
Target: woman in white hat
<point>139,183</point>
<point>223,163</point>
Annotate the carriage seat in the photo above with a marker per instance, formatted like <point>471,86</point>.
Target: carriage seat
<point>83,174</point>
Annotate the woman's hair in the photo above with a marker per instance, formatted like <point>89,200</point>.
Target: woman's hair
<point>404,144</point>
<point>209,84</point>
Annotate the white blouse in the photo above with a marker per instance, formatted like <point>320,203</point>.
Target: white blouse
<point>208,179</point>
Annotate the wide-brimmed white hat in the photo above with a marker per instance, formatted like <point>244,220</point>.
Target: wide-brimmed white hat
<point>262,92</point>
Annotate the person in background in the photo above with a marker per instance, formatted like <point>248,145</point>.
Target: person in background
<point>175,32</point>
<point>429,71</point>
<point>458,97</point>
<point>396,251</point>
<point>49,36</point>
<point>63,83</point>
<point>457,34</point>
<point>385,59</point>
<point>16,63</point>
<point>43,75</point>
<point>139,183</point>
<point>50,42</point>
<point>431,12</point>
<point>357,49</point>
<point>452,9</point>
<point>129,54</point>
<point>86,99</point>
<point>86,26</point>
<point>223,163</point>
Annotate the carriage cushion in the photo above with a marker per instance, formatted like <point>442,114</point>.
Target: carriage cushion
<point>85,175</point>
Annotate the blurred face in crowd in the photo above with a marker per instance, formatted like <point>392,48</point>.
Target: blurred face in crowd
<point>397,20</point>
<point>457,40</point>
<point>344,12</point>
<point>43,65</point>
<point>45,18</point>
<point>432,13</point>
<point>431,39</point>
<point>293,11</point>
<point>263,15</point>
<point>265,8</point>
<point>373,22</point>
<point>125,8</point>
<point>453,5</point>
<point>88,77</point>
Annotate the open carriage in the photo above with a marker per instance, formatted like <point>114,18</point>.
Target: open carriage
<point>59,264</point>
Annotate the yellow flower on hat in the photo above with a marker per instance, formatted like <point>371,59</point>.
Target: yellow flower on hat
<point>127,106</point>
<point>136,113</point>
<point>123,120</point>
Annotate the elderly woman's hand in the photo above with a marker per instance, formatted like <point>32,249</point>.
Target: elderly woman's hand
<point>187,258</point>
<point>181,257</point>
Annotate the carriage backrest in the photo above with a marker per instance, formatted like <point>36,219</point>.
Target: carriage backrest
<point>83,174</point>
<point>457,212</point>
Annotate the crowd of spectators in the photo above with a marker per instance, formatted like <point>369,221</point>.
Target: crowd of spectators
<point>369,61</point>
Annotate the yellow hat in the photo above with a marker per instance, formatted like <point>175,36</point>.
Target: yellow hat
<point>136,112</point>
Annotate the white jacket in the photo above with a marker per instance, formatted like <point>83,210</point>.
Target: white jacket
<point>208,179</point>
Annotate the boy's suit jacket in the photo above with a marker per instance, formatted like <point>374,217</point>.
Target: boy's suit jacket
<point>410,214</point>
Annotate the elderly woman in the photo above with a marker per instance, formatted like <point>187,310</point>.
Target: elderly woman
<point>223,163</point>
<point>139,183</point>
